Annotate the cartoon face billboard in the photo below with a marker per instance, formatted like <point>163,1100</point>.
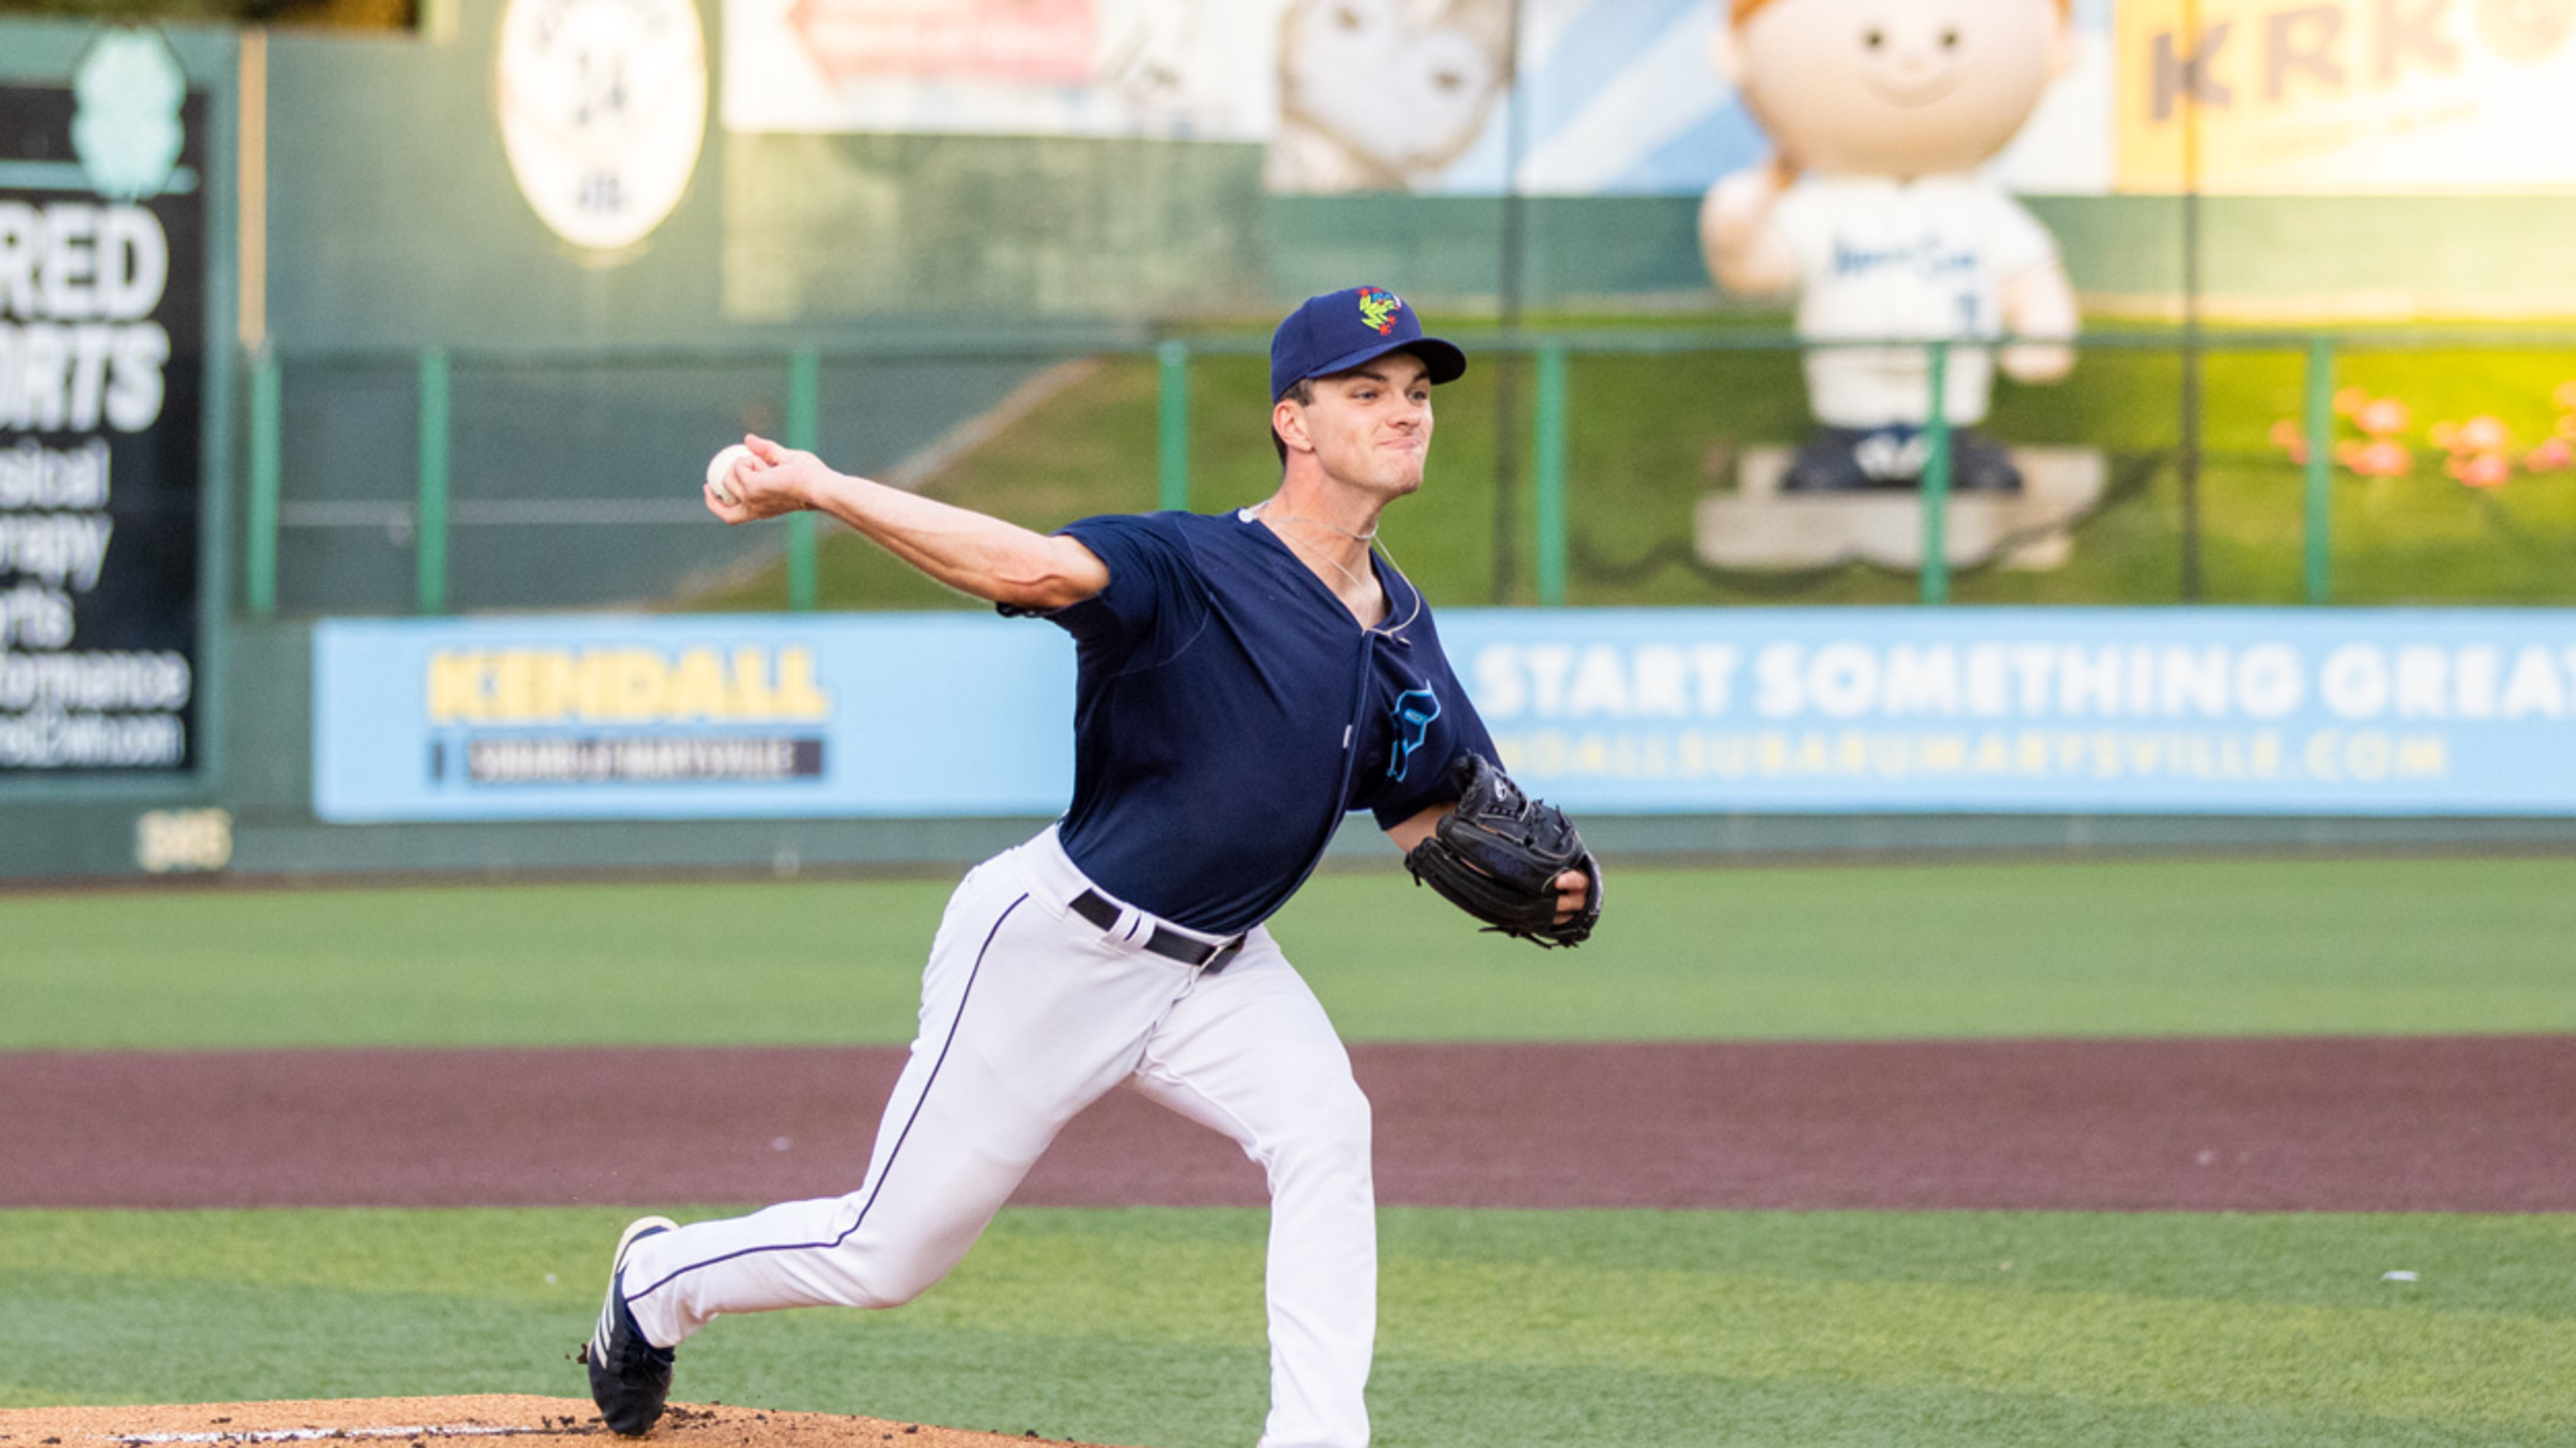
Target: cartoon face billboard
<point>1383,95</point>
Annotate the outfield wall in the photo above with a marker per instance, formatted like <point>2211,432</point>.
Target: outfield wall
<point>1683,711</point>
<point>1731,765</point>
<point>360,210</point>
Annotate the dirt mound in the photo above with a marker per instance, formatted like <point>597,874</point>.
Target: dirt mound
<point>417,1422</point>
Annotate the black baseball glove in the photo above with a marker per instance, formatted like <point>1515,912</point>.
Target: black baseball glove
<point>1498,855</point>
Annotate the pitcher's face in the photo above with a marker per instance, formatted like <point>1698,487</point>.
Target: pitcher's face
<point>1371,427</point>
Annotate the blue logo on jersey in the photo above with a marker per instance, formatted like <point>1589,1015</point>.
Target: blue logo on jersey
<point>1414,710</point>
<point>1930,258</point>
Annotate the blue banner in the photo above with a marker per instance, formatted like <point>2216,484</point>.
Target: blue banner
<point>589,717</point>
<point>2056,710</point>
<point>2202,711</point>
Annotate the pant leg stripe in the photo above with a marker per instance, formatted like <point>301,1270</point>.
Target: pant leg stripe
<point>959,1020</point>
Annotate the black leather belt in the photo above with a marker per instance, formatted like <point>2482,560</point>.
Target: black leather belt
<point>1091,905</point>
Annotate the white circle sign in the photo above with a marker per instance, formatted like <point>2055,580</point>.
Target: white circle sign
<point>603,106</point>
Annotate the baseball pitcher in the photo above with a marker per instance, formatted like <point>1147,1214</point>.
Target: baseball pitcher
<point>1244,680</point>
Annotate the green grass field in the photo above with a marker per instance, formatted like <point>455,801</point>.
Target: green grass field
<point>2163,947</point>
<point>1499,1328</point>
<point>1621,1329</point>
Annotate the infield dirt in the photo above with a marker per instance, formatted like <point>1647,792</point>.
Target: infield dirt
<point>2400,1124</point>
<point>461,1422</point>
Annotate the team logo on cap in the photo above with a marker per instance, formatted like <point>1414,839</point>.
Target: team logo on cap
<point>1378,309</point>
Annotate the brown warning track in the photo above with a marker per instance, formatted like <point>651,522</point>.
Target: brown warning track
<point>2476,1124</point>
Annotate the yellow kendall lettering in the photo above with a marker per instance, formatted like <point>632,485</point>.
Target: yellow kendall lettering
<point>754,684</point>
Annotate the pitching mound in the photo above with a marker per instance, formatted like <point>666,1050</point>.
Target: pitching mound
<point>425,1422</point>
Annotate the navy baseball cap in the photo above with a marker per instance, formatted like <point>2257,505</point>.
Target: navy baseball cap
<point>1340,330</point>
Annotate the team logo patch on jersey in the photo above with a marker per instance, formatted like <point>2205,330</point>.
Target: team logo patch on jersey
<point>1414,710</point>
<point>1378,309</point>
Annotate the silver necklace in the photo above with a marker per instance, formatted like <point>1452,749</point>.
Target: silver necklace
<point>1329,561</point>
<point>1258,510</point>
<point>1262,510</point>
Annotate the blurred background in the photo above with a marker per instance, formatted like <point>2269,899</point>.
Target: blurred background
<point>358,363</point>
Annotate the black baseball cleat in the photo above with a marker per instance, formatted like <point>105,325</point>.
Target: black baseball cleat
<point>630,1378</point>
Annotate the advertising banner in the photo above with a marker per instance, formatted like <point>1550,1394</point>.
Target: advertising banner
<point>1615,97</point>
<point>651,718</point>
<point>2347,96</point>
<point>1584,98</point>
<point>2217,711</point>
<point>1171,69</point>
<point>102,319</point>
<point>1618,97</point>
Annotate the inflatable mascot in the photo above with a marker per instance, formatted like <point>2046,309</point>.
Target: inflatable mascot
<point>1872,211</point>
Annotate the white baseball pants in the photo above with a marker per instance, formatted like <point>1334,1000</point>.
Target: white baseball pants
<point>1029,1013</point>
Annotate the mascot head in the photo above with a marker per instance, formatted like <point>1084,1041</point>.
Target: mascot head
<point>1893,87</point>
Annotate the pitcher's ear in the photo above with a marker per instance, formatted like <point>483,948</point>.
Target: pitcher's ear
<point>1288,425</point>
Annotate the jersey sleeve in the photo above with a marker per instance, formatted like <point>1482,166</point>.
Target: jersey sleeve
<point>1454,729</point>
<point>1148,571</point>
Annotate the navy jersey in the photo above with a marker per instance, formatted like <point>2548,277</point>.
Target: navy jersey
<point>1229,710</point>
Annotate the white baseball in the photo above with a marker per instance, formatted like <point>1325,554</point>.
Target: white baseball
<point>720,470</point>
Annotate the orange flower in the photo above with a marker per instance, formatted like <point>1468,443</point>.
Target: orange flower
<point>2380,459</point>
<point>2481,470</point>
<point>2384,418</point>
